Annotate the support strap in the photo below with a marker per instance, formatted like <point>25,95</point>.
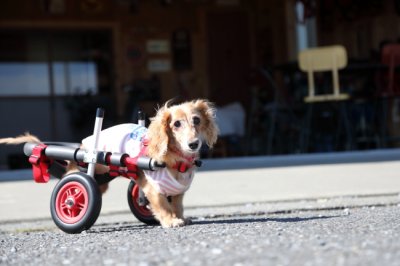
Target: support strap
<point>40,164</point>
<point>183,167</point>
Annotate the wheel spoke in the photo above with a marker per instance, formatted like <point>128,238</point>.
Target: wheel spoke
<point>63,206</point>
<point>78,193</point>
<point>80,205</point>
<point>68,192</point>
<point>74,212</point>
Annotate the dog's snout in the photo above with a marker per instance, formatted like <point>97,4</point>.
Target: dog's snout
<point>194,145</point>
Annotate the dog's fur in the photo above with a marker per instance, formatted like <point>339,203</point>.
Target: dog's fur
<point>169,141</point>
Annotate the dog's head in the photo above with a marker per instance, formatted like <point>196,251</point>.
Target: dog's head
<point>182,127</point>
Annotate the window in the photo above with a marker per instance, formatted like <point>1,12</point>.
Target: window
<point>43,63</point>
<point>73,77</point>
<point>32,79</point>
<point>306,26</point>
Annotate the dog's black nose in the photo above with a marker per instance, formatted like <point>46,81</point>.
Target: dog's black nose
<point>194,145</point>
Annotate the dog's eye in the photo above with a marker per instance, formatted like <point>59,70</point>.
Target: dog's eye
<point>196,120</point>
<point>177,123</point>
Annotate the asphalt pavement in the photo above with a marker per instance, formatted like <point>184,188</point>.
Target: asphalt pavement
<point>309,232</point>
<point>320,209</point>
<point>234,181</point>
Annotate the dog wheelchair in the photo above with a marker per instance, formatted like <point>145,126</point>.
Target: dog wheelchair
<point>76,199</point>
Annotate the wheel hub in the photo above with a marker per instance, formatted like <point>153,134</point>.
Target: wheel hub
<point>70,202</point>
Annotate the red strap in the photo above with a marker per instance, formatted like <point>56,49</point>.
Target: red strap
<point>182,167</point>
<point>40,164</point>
<point>130,164</point>
<point>114,170</point>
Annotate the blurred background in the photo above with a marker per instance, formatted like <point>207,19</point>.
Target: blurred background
<point>61,59</point>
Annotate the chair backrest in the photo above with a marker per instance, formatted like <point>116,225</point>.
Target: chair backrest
<point>327,58</point>
<point>391,58</point>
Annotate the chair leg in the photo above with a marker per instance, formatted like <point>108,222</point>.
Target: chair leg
<point>306,130</point>
<point>347,126</point>
<point>271,131</point>
<point>384,122</point>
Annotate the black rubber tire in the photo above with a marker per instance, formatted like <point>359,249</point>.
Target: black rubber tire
<point>140,212</point>
<point>85,214</point>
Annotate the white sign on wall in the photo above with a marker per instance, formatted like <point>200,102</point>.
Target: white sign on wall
<point>159,65</point>
<point>157,46</point>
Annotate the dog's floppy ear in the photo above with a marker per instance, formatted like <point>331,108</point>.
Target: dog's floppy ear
<point>208,112</point>
<point>158,134</point>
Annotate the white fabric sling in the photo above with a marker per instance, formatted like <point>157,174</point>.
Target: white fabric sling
<point>128,138</point>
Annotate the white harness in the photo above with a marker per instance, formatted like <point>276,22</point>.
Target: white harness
<point>129,138</point>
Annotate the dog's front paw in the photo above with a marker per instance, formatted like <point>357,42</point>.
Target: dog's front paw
<point>174,222</point>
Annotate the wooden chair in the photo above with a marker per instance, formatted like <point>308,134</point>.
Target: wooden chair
<point>324,59</point>
<point>329,58</point>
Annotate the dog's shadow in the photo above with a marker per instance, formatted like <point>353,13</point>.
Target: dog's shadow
<point>108,228</point>
<point>118,227</point>
<point>261,220</point>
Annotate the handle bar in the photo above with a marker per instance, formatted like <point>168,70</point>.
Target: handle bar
<point>67,151</point>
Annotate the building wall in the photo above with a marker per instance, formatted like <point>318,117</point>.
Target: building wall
<point>132,24</point>
<point>361,29</point>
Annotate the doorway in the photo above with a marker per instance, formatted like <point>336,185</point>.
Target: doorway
<point>228,56</point>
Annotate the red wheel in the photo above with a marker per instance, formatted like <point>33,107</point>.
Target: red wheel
<point>75,203</point>
<point>142,213</point>
<point>72,202</point>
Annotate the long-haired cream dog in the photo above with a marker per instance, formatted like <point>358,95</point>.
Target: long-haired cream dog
<point>175,136</point>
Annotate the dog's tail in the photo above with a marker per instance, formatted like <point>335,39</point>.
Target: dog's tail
<point>27,137</point>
